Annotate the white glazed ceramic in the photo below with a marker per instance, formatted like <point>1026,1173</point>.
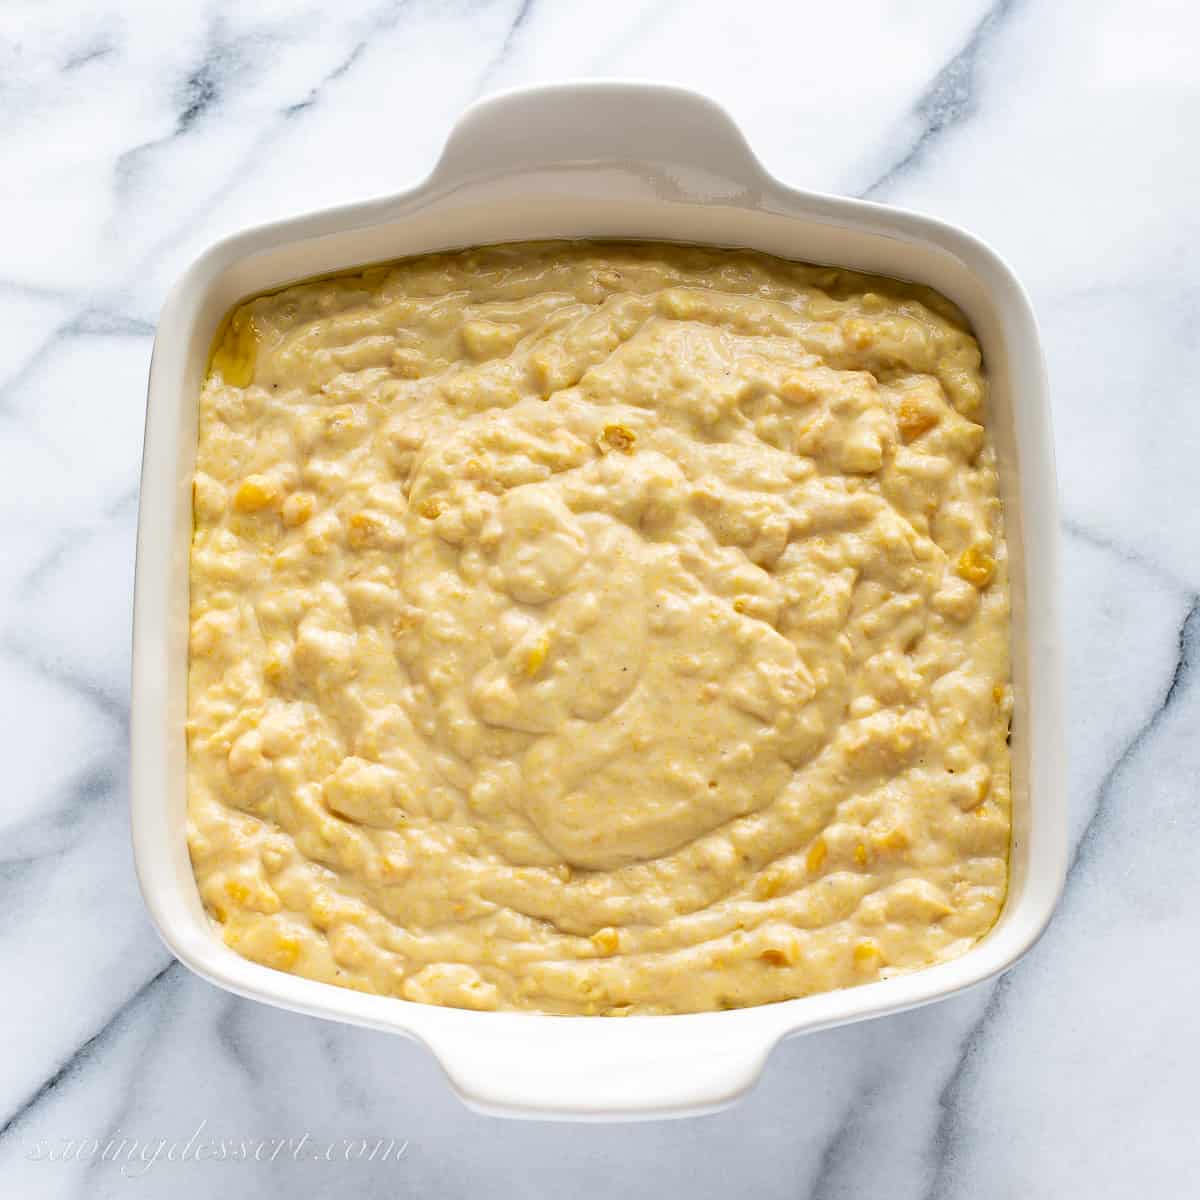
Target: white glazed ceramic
<point>597,160</point>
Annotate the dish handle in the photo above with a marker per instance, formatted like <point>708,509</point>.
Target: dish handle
<point>601,1068</point>
<point>610,121</point>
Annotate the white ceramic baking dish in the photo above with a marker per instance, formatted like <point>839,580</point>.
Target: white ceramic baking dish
<point>636,161</point>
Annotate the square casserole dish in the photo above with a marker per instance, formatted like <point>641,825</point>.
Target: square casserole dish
<point>621,160</point>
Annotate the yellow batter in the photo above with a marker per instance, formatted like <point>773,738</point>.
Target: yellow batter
<point>598,628</point>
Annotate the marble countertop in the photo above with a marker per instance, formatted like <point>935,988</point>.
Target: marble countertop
<point>1062,131</point>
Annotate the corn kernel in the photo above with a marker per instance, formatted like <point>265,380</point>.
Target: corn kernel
<point>816,856</point>
<point>362,529</point>
<point>976,567</point>
<point>283,953</point>
<point>617,437</point>
<point>893,839</point>
<point>256,493</point>
<point>859,334</point>
<point>770,883</point>
<point>245,754</point>
<point>981,783</point>
<point>536,658</point>
<point>340,421</point>
<point>410,617</point>
<point>606,940</point>
<point>394,865</point>
<point>866,955</point>
<point>862,453</point>
<point>208,498</point>
<point>487,339</point>
<point>782,950</point>
<point>431,509</point>
<point>800,389</point>
<point>912,419</point>
<point>408,363</point>
<point>259,899</point>
<point>297,508</point>
<point>680,304</point>
<point>322,912</point>
<point>860,854</point>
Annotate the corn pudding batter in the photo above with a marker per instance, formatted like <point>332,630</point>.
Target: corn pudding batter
<point>598,628</point>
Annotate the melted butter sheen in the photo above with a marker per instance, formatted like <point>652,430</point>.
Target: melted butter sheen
<point>598,628</point>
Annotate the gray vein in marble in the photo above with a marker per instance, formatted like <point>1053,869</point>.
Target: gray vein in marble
<point>13,872</point>
<point>840,1144</point>
<point>949,100</point>
<point>1080,532</point>
<point>225,61</point>
<point>34,291</point>
<point>243,1052</point>
<point>946,1134</point>
<point>114,705</point>
<point>94,1045</point>
<point>300,106</point>
<point>227,1027</point>
<point>350,1092</point>
<point>88,318</point>
<point>387,19</point>
<point>515,28</point>
<point>24,371</point>
<point>120,506</point>
<point>950,1098</point>
<point>142,1063</point>
<point>105,322</point>
<point>1189,641</point>
<point>202,89</point>
<point>56,828</point>
<point>648,16</point>
<point>100,49</point>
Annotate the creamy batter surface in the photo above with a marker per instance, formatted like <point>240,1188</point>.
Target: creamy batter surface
<point>598,628</point>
